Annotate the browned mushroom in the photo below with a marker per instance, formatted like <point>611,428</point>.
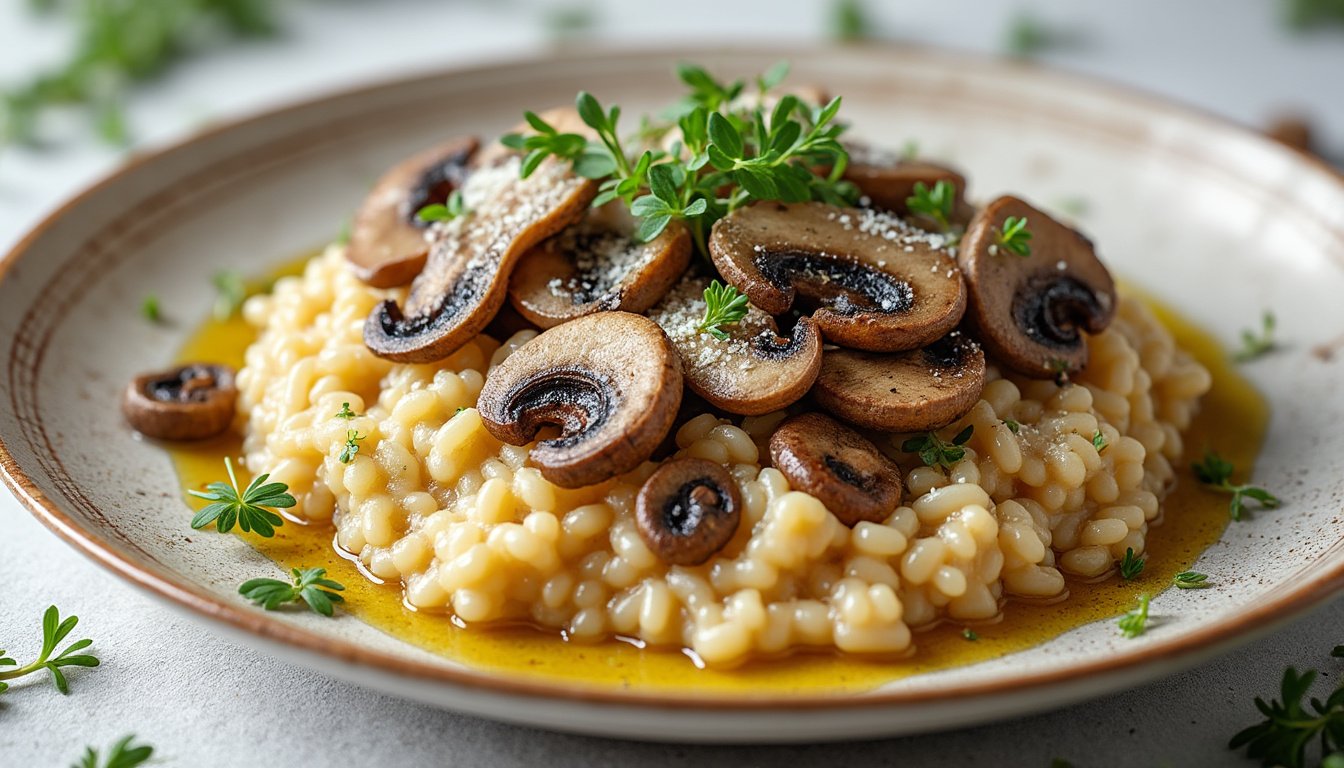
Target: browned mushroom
<point>876,282</point>
<point>388,242</point>
<point>610,381</point>
<point>751,372</point>
<point>911,391</point>
<point>688,510</point>
<point>840,467</point>
<point>1030,312</point>
<point>190,402</point>
<point>597,265</point>
<point>889,180</point>
<point>465,280</point>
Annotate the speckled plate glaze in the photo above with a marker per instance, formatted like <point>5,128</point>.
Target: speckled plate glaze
<point>1209,217</point>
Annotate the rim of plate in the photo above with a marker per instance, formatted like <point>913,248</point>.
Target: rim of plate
<point>1287,603</point>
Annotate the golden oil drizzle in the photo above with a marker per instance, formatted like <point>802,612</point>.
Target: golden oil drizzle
<point>1233,419</point>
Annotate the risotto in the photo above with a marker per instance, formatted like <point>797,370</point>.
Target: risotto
<point>463,521</point>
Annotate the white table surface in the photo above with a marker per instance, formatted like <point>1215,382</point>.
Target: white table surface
<point>205,702</point>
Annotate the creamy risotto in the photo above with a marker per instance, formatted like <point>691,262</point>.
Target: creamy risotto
<point>1057,480</point>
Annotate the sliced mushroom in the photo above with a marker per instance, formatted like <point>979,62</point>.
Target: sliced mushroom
<point>611,382</point>
<point>876,282</point>
<point>911,391</point>
<point>388,243</point>
<point>840,467</point>
<point>1030,312</point>
<point>465,280</point>
<point>597,265</point>
<point>190,402</point>
<point>754,370</point>
<point>688,510</point>
<point>889,180</point>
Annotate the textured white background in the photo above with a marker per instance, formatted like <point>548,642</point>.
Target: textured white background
<point>206,702</point>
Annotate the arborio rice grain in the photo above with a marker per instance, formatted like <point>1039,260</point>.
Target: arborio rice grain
<point>460,519</point>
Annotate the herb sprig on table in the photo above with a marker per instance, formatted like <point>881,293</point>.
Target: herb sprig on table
<point>1290,725</point>
<point>730,150</point>
<point>54,630</point>
<point>251,509</point>
<point>123,754</point>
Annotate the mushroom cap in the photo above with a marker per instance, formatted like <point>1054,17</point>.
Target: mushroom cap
<point>190,402</point>
<point>878,283</point>
<point>888,180</point>
<point>912,391</point>
<point>465,280</point>
<point>688,510</point>
<point>841,468</point>
<point>597,265</point>
<point>610,381</point>
<point>388,244</point>
<point>754,370</point>
<point>1030,312</point>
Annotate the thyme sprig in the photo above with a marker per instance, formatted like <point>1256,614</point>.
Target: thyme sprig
<point>1014,237</point>
<point>309,585</point>
<point>1215,473</point>
<point>1255,344</point>
<point>1135,622</point>
<point>1281,739</point>
<point>251,509</point>
<point>723,306</point>
<point>1131,565</point>
<point>936,203</point>
<point>54,630</point>
<point>936,452</point>
<point>121,755</point>
<point>1190,580</point>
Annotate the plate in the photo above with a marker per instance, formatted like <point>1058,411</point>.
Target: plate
<point>1210,218</point>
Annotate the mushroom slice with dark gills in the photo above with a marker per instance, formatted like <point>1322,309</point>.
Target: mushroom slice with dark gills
<point>611,382</point>
<point>840,467</point>
<point>597,265</point>
<point>388,242</point>
<point>912,391</point>
<point>754,370</point>
<point>872,281</point>
<point>190,402</point>
<point>889,180</point>
<point>466,277</point>
<point>688,510</point>
<point>1031,312</point>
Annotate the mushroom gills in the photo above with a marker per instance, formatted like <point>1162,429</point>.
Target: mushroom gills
<point>190,402</point>
<point>1032,313</point>
<point>871,280</point>
<point>912,391</point>
<point>837,465</point>
<point>597,265</point>
<point>688,510</point>
<point>388,244</point>
<point>611,382</point>
<point>464,282</point>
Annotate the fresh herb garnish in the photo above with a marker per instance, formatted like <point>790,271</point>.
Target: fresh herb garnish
<point>935,203</point>
<point>969,634</point>
<point>935,452</point>
<point>345,412</point>
<point>441,211</point>
<point>251,509</point>
<point>1190,580</point>
<point>849,21</point>
<point>723,306</point>
<point>1254,344</point>
<point>1012,426</point>
<point>351,449</point>
<point>1281,739</point>
<point>149,308</point>
<point>1027,36</point>
<point>1014,236</point>
<point>310,585</point>
<point>119,44</point>
<point>1133,624</point>
<point>231,292</point>
<point>1301,15</point>
<point>121,755</point>
<point>1215,473</point>
<point>1099,441</point>
<point>1131,565</point>
<point>727,154</point>
<point>54,630</point>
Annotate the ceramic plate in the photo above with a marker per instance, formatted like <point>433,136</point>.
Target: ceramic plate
<point>1208,217</point>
